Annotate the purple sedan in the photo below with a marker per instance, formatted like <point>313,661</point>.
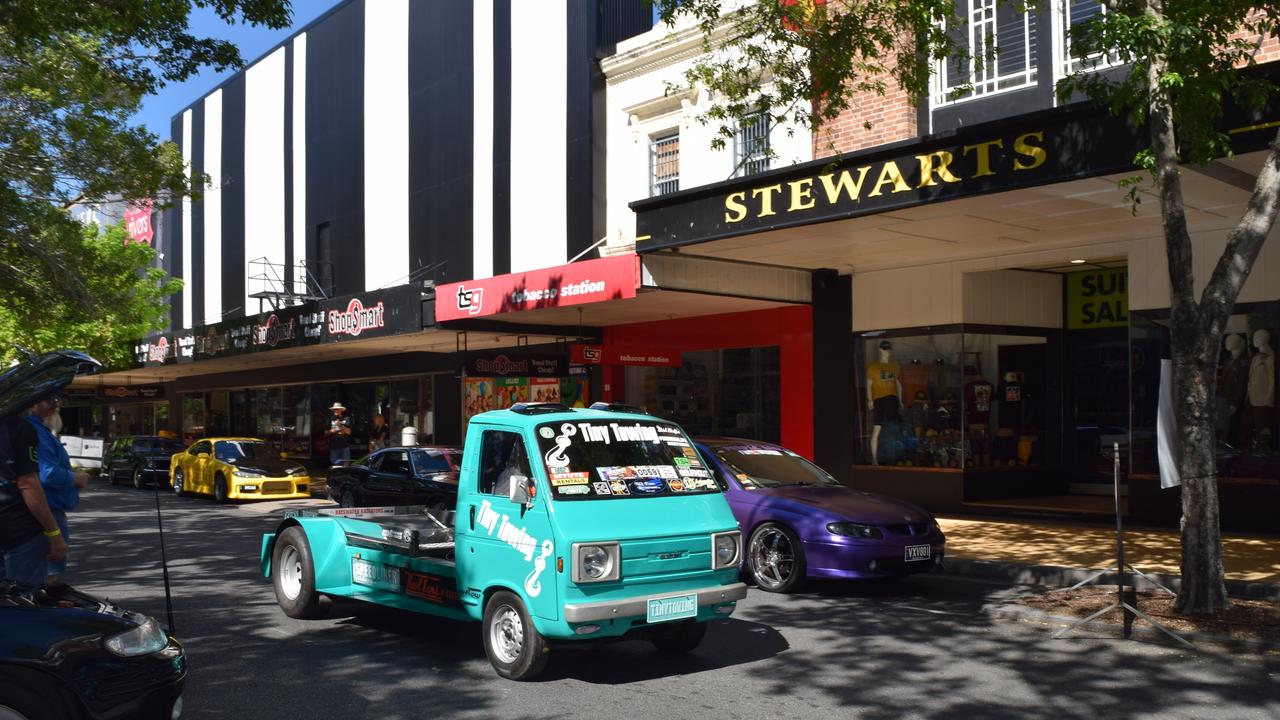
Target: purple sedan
<point>800,522</point>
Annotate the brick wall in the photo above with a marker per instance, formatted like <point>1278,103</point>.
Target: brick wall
<point>892,117</point>
<point>1268,46</point>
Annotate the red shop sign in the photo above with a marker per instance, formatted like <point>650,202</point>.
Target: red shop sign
<point>615,355</point>
<point>579,283</point>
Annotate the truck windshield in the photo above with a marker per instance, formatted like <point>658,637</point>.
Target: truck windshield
<point>610,459</point>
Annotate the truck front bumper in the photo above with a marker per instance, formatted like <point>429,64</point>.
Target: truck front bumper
<point>631,607</point>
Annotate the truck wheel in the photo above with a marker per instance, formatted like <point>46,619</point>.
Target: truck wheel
<point>220,488</point>
<point>678,638</point>
<point>515,647</point>
<point>776,559</point>
<point>294,576</point>
<point>178,478</point>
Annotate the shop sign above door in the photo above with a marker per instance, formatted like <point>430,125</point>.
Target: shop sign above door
<point>1098,299</point>
<point>589,281</point>
<point>615,355</point>
<point>517,366</point>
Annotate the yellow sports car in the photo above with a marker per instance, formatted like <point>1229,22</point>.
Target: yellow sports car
<point>237,469</point>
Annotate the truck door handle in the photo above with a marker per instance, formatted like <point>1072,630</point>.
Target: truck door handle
<point>472,513</point>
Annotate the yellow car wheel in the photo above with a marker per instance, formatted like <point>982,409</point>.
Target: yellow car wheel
<point>220,488</point>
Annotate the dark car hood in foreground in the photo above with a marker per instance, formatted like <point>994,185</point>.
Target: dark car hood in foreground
<point>850,504</point>
<point>267,466</point>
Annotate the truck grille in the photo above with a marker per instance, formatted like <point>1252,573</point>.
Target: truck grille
<point>665,557</point>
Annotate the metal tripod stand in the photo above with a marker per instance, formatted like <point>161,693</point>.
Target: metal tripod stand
<point>1122,574</point>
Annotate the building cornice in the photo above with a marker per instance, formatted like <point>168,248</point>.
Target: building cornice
<point>675,47</point>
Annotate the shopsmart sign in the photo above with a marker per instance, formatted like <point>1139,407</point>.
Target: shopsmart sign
<point>357,318</point>
<point>573,284</point>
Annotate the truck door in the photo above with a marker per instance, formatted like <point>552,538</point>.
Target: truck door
<point>500,542</point>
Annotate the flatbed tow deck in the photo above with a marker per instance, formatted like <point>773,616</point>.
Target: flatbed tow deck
<point>408,529</point>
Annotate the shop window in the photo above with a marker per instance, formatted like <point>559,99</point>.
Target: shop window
<point>1245,423</point>
<point>193,416</point>
<point>664,164</point>
<point>734,392</point>
<point>751,144</point>
<point>947,398</point>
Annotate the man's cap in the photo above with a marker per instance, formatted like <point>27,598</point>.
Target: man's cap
<point>337,406</point>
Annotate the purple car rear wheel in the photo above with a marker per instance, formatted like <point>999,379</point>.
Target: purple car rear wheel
<point>776,558</point>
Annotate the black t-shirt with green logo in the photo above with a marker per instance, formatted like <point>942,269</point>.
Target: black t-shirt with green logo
<point>18,457</point>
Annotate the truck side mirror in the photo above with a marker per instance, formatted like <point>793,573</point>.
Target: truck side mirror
<point>518,491</point>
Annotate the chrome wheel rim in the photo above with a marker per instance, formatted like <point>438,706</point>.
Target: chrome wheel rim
<point>506,634</point>
<point>290,572</point>
<point>773,559</point>
<point>177,482</point>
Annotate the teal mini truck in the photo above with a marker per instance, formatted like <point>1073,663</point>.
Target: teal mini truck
<point>570,525</point>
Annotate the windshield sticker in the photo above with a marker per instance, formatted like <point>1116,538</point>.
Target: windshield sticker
<point>694,473</point>
<point>689,452</point>
<point>569,478</point>
<point>546,432</point>
<point>647,486</point>
<point>574,490</point>
<point>691,484</point>
<point>662,471</point>
<point>619,487</point>
<point>681,462</point>
<point>593,433</point>
<point>602,488</point>
<point>760,451</point>
<point>670,430</point>
<point>675,485</point>
<point>678,442</point>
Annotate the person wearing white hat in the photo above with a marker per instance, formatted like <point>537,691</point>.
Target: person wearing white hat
<point>339,433</point>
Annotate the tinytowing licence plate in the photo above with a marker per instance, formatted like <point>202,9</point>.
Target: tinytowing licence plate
<point>385,577</point>
<point>678,607</point>
<point>918,552</point>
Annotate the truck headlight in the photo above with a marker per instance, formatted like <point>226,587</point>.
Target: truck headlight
<point>857,530</point>
<point>725,549</point>
<point>595,562</point>
<point>141,640</point>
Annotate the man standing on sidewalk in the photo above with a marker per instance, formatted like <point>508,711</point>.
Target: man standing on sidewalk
<point>29,536</point>
<point>339,435</point>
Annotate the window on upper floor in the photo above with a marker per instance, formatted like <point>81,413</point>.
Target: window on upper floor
<point>664,163</point>
<point>751,144</point>
<point>1073,13</point>
<point>1000,40</point>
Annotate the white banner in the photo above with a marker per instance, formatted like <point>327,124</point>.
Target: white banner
<point>1166,430</point>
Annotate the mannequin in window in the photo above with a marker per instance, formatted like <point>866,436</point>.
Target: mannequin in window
<point>884,394</point>
<point>1009,419</point>
<point>1257,425</point>
<point>1232,383</point>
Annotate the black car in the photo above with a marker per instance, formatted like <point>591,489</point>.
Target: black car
<point>425,475</point>
<point>66,654</point>
<point>140,459</point>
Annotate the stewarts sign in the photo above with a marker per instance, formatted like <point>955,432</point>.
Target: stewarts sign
<point>1070,143</point>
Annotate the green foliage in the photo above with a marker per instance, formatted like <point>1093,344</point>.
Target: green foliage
<point>72,72</point>
<point>129,293</point>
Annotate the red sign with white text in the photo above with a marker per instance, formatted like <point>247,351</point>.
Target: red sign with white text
<point>615,355</point>
<point>590,281</point>
<point>137,222</point>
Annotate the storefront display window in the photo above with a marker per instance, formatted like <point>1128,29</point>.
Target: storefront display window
<point>953,397</point>
<point>733,392</point>
<point>193,416</point>
<point>1245,422</point>
<point>481,394</point>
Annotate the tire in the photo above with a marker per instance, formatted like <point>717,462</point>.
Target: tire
<point>513,645</point>
<point>138,481</point>
<point>178,481</point>
<point>678,638</point>
<point>776,559</point>
<point>29,695</point>
<point>220,488</point>
<point>111,475</point>
<point>293,575</point>
<point>348,500</point>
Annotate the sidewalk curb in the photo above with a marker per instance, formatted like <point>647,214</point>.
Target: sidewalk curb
<point>1146,632</point>
<point>1063,577</point>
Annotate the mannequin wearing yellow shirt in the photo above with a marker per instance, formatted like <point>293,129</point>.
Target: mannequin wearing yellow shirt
<point>884,394</point>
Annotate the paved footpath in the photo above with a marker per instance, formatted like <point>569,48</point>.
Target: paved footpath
<point>933,647</point>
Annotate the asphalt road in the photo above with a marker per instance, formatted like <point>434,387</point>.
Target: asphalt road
<point>926,647</point>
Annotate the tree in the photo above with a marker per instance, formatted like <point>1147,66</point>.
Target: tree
<point>72,73</point>
<point>128,303</point>
<point>1181,62</point>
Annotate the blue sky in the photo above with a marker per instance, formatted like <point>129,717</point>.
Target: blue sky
<point>157,110</point>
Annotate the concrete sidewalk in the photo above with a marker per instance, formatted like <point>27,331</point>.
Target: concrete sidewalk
<point>1062,554</point>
